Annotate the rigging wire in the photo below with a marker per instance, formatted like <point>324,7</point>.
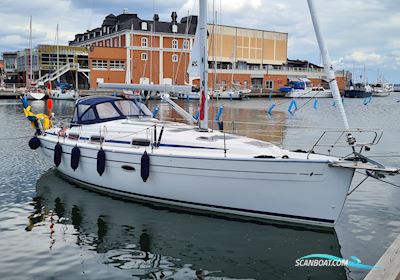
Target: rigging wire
<point>379,179</point>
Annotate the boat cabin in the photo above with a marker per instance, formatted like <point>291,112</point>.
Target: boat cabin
<point>298,84</point>
<point>98,109</point>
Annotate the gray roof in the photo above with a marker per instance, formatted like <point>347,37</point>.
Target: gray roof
<point>126,21</point>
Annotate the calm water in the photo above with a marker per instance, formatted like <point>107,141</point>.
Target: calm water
<point>53,229</point>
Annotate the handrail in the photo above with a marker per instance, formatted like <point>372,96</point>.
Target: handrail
<point>54,75</point>
<point>342,136</point>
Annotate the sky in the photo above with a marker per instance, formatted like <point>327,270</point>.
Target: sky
<point>361,34</point>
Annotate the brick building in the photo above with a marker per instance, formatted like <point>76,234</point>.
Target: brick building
<point>158,52</point>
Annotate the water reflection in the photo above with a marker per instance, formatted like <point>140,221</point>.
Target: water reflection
<point>157,243</point>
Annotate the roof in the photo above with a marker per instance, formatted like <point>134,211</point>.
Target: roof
<point>93,100</point>
<point>127,21</point>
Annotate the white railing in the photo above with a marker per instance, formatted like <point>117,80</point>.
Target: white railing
<point>58,73</point>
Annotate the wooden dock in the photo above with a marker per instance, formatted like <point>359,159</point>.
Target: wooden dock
<point>391,263</point>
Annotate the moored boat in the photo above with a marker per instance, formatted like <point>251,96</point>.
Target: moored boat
<point>63,94</point>
<point>227,94</point>
<point>304,89</point>
<point>34,93</point>
<point>221,164</point>
<point>116,146</point>
<point>359,90</point>
<point>382,89</point>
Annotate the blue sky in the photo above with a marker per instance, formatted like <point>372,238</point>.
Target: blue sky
<point>358,32</point>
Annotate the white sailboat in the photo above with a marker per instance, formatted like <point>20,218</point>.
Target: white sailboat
<point>31,91</point>
<point>62,92</point>
<point>116,146</point>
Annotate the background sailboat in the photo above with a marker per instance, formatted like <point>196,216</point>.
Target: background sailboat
<point>63,91</point>
<point>32,91</point>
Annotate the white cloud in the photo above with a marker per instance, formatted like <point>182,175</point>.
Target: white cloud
<point>363,57</point>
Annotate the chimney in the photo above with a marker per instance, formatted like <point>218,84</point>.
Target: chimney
<point>156,17</point>
<point>174,17</point>
<point>125,11</point>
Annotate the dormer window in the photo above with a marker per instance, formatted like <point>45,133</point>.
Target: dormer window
<point>174,28</point>
<point>144,42</point>
<point>175,44</point>
<point>144,25</point>
<point>104,29</point>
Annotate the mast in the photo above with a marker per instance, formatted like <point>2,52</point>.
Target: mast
<point>30,53</point>
<point>329,70</point>
<point>203,65</point>
<point>58,53</point>
<point>215,55</point>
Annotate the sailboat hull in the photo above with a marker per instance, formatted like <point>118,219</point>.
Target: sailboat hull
<point>291,191</point>
<point>34,95</point>
<point>309,94</point>
<point>66,95</point>
<point>227,95</point>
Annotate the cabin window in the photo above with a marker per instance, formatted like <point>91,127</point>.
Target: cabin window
<point>73,136</point>
<point>144,42</point>
<point>89,116</point>
<point>106,111</point>
<point>144,56</point>
<point>174,58</point>
<point>129,108</point>
<point>175,44</point>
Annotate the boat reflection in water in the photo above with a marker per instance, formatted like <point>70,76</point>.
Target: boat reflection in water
<point>158,243</point>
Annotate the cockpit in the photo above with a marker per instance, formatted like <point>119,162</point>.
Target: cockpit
<point>98,109</point>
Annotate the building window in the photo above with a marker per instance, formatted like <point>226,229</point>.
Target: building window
<point>117,65</point>
<point>174,58</point>
<point>144,56</point>
<point>186,44</point>
<point>175,44</point>
<point>269,84</point>
<point>144,42</point>
<point>99,64</point>
<point>107,43</point>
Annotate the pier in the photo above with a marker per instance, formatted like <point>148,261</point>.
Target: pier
<point>391,263</point>
<point>82,93</point>
<point>91,92</point>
